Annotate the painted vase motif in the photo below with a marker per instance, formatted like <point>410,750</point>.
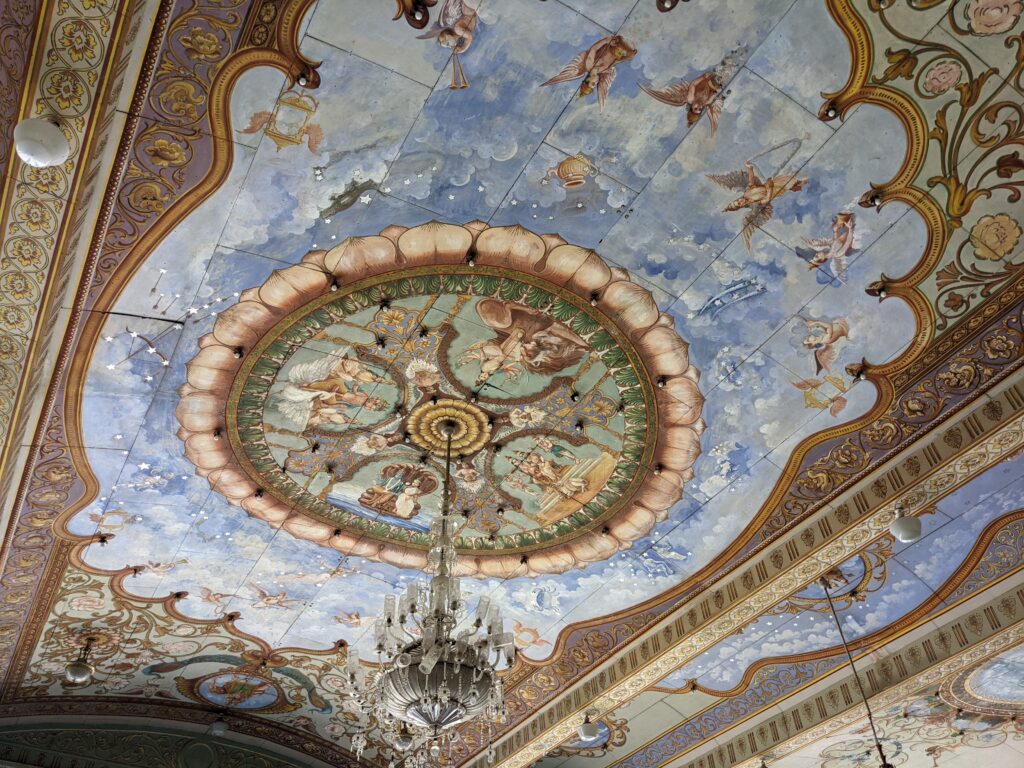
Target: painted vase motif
<point>572,171</point>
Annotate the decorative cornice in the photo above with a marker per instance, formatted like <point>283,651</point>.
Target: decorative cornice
<point>983,633</point>
<point>163,105</point>
<point>57,744</point>
<point>959,369</point>
<point>671,639</point>
<point>169,711</point>
<point>951,110</point>
<point>68,75</point>
<point>922,663</point>
<point>997,555</point>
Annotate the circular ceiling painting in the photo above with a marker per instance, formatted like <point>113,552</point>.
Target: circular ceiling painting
<point>317,400</point>
<point>989,688</point>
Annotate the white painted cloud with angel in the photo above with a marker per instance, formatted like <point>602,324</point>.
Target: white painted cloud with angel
<point>327,392</point>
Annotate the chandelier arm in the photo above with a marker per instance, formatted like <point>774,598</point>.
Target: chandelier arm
<point>856,675</point>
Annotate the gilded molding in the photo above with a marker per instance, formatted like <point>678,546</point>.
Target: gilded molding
<point>930,385</point>
<point>961,137</point>
<point>71,68</point>
<point>58,744</point>
<point>680,636</point>
<point>928,678</point>
<point>57,476</point>
<point>997,555</point>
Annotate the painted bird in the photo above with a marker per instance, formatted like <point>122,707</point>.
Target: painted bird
<point>596,66</point>
<point>757,196</point>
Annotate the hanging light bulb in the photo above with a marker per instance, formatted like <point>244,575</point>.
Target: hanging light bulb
<point>80,671</point>
<point>403,740</point>
<point>906,528</point>
<point>588,729</point>
<point>41,143</point>
<point>219,728</point>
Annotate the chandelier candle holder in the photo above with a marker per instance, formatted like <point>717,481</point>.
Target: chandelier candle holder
<point>437,666</point>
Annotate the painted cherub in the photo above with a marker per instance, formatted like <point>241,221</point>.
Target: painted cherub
<point>703,95</point>
<point>757,196</point>
<point>266,600</point>
<point>322,391</point>
<point>822,338</point>
<point>455,28</point>
<point>596,66</point>
<point>216,599</point>
<point>525,340</point>
<point>352,619</point>
<point>831,254</point>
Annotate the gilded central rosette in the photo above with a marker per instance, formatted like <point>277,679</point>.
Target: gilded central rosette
<point>470,432</point>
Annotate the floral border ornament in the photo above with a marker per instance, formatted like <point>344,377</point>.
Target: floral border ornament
<point>205,407</point>
<point>961,107</point>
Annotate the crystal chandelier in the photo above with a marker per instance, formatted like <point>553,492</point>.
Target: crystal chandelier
<point>436,668</point>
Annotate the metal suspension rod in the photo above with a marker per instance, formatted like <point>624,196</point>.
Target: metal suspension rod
<point>446,495</point>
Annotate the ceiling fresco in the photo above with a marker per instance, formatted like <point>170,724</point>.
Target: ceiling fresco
<point>731,309</point>
<point>708,290</point>
<point>936,724</point>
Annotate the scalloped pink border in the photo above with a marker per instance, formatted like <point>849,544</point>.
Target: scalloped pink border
<point>582,271</point>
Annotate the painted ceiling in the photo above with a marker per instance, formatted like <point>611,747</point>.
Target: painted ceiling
<point>709,289</point>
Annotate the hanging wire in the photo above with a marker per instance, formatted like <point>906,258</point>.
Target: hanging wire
<point>860,686</point>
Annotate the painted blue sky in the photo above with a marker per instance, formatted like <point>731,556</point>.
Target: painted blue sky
<point>399,147</point>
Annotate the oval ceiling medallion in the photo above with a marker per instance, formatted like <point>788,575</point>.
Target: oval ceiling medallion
<point>991,687</point>
<point>317,401</point>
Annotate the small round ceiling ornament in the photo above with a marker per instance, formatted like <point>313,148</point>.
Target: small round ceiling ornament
<point>469,424</point>
<point>317,401</point>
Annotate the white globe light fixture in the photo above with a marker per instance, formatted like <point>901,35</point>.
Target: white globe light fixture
<point>80,671</point>
<point>218,728</point>
<point>906,528</point>
<point>588,729</point>
<point>41,143</point>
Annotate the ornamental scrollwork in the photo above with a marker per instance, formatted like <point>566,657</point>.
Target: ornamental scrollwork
<point>976,366</point>
<point>957,87</point>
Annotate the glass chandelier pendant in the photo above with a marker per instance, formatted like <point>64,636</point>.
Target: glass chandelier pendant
<point>438,667</point>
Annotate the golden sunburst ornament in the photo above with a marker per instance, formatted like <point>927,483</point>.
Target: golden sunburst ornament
<point>471,427</point>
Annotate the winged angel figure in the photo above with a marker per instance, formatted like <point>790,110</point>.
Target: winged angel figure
<point>455,28</point>
<point>596,66</point>
<point>322,391</point>
<point>757,195</point>
<point>701,95</point>
<point>830,255</point>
